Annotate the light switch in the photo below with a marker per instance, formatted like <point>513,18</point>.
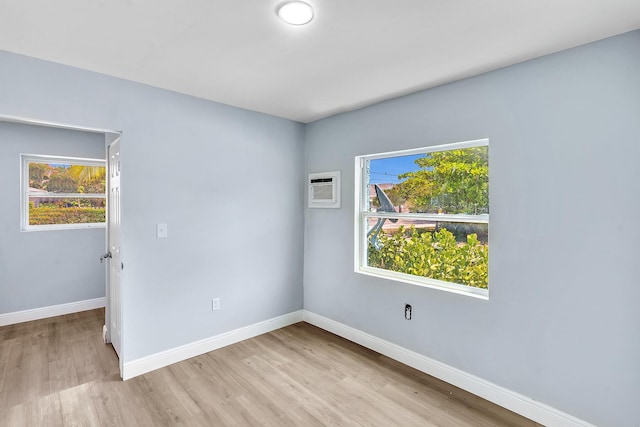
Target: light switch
<point>161,231</point>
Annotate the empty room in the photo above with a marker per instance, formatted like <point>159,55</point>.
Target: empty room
<point>301,213</point>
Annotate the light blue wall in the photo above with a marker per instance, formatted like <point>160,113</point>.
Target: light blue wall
<point>226,181</point>
<point>562,322</point>
<point>44,268</point>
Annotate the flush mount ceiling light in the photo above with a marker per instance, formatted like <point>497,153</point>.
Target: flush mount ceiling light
<point>295,13</point>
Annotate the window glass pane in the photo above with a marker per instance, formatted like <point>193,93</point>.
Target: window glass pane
<point>449,182</point>
<point>52,210</point>
<point>447,251</point>
<point>66,178</point>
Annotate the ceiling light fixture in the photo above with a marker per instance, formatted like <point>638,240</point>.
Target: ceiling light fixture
<point>295,13</point>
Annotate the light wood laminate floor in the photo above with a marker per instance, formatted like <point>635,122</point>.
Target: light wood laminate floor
<point>57,371</point>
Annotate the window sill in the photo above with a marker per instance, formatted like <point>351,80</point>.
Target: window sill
<point>59,227</point>
<point>425,282</point>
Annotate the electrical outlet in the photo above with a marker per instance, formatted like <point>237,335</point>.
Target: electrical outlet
<point>407,311</point>
<point>215,304</point>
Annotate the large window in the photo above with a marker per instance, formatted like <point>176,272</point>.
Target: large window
<point>62,192</point>
<point>423,216</point>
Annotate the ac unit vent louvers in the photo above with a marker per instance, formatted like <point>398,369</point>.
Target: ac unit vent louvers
<point>324,190</point>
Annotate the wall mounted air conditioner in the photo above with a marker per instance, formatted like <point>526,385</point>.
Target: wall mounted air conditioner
<point>324,190</point>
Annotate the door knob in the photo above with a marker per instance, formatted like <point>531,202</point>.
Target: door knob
<point>105,256</point>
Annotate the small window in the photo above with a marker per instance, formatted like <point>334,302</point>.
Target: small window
<point>423,216</point>
<point>62,193</point>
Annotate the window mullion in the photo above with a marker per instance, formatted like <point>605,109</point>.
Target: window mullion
<point>481,219</point>
<point>67,195</point>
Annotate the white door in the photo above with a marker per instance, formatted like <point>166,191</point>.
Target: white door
<point>114,268</point>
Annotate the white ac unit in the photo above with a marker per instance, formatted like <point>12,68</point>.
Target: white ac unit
<point>324,190</point>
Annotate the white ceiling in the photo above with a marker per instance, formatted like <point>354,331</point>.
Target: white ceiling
<point>354,53</point>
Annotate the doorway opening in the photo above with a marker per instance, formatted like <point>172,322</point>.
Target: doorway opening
<point>72,200</point>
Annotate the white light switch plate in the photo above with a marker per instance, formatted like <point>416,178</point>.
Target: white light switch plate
<point>161,231</point>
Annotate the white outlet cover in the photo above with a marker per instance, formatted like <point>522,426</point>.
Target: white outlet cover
<point>161,231</point>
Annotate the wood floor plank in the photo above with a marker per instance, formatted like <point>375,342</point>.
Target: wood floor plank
<point>215,407</point>
<point>33,413</point>
<point>299,416</point>
<point>63,374</point>
<point>8,360</point>
<point>58,372</point>
<point>108,406</point>
<point>35,379</point>
<point>292,392</point>
<point>78,407</point>
<point>14,416</point>
<point>14,389</point>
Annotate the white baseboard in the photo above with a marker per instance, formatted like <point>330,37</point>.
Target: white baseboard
<point>525,406</point>
<point>187,351</point>
<point>51,311</point>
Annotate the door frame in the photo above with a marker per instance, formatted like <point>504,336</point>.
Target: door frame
<point>110,136</point>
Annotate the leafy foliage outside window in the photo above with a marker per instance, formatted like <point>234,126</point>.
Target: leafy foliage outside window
<point>435,255</point>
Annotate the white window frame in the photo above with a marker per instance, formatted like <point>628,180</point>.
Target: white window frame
<point>25,160</point>
<point>362,215</point>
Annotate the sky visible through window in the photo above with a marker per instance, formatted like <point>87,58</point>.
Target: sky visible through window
<point>386,171</point>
